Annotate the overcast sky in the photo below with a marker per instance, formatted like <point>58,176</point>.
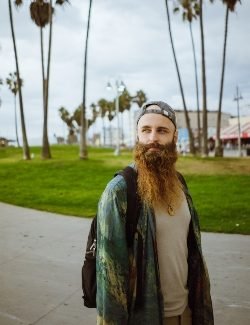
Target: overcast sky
<point>129,41</point>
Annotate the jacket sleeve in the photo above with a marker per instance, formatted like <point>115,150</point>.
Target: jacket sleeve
<point>112,255</point>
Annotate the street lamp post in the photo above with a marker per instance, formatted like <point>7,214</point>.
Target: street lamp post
<point>119,88</point>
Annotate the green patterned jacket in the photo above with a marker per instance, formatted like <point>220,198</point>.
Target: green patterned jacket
<point>116,265</point>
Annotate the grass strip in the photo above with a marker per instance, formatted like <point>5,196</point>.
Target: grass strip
<point>220,187</point>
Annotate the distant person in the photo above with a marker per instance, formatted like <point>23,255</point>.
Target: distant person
<point>173,283</point>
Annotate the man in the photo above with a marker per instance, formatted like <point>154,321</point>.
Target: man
<point>174,284</point>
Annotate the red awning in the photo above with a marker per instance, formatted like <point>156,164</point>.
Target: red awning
<point>231,132</point>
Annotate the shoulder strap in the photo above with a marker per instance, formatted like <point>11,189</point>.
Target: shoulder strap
<point>133,202</point>
<point>183,182</point>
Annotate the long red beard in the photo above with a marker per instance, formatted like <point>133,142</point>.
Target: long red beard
<point>158,184</point>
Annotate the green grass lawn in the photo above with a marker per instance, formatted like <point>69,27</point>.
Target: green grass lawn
<point>66,185</point>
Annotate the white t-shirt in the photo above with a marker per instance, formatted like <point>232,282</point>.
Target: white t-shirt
<point>171,235</point>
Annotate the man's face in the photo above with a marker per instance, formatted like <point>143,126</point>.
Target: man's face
<point>155,129</point>
<point>155,155</point>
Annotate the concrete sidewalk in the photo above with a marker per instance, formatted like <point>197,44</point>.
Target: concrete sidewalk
<point>41,255</point>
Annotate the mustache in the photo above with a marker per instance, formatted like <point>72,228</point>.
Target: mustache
<point>163,148</point>
<point>154,146</point>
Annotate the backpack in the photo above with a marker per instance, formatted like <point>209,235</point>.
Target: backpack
<point>132,214</point>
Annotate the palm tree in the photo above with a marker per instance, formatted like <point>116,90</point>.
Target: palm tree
<point>190,133</point>
<point>14,87</point>
<point>140,98</point>
<point>73,121</point>
<point>204,84</point>
<point>111,115</point>
<point>65,116</point>
<point>102,109</point>
<point>41,13</point>
<point>26,150</point>
<point>124,104</point>
<point>94,112</point>
<point>230,5</point>
<point>190,11</point>
<point>83,142</point>
<point>107,109</point>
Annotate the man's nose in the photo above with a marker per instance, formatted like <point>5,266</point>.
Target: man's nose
<point>153,137</point>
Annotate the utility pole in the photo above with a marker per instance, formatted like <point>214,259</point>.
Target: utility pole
<point>237,98</point>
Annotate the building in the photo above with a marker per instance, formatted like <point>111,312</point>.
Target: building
<point>193,117</point>
<point>237,129</point>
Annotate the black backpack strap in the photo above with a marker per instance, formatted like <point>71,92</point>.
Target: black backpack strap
<point>183,182</point>
<point>89,268</point>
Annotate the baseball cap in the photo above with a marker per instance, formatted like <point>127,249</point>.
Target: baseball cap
<point>164,110</point>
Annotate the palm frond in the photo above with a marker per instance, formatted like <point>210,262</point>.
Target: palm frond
<point>18,3</point>
<point>62,2</point>
<point>231,4</point>
<point>40,12</point>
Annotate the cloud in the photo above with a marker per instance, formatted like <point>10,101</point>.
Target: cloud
<point>128,40</point>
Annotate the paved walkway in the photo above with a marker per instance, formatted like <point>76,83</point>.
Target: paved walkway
<point>40,270</point>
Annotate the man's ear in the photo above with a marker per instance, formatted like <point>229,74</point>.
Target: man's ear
<point>175,136</point>
<point>136,133</point>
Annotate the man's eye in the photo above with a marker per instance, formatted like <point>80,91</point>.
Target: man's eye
<point>145,130</point>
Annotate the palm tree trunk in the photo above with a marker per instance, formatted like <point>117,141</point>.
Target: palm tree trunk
<point>197,87</point>
<point>83,142</point>
<point>191,138</point>
<point>103,128</point>
<point>17,140</point>
<point>46,148</point>
<point>218,145</point>
<point>110,134</point>
<point>43,70</point>
<point>26,150</point>
<point>122,127</point>
<point>204,85</point>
